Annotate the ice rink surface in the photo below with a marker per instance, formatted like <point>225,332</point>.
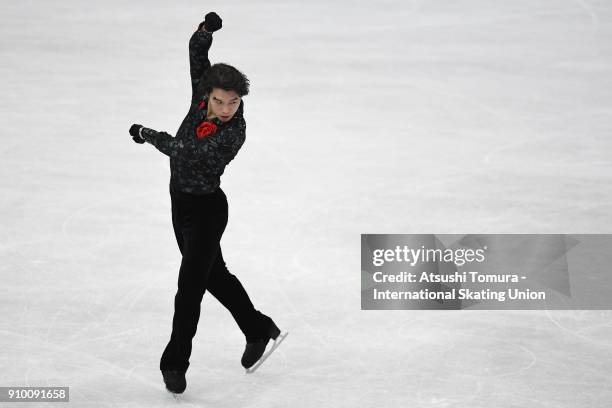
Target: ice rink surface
<point>394,116</point>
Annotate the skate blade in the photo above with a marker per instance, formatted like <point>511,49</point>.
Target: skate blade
<point>174,395</point>
<point>263,358</point>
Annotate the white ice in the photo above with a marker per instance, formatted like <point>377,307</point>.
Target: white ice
<point>391,116</point>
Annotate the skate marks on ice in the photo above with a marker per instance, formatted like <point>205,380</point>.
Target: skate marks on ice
<point>267,354</point>
<point>592,327</point>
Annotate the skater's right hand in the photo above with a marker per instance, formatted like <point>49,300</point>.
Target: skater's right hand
<point>135,133</point>
<point>212,22</point>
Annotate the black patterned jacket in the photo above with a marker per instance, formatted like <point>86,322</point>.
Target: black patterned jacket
<point>196,165</point>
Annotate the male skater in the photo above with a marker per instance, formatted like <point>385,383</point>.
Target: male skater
<point>207,140</point>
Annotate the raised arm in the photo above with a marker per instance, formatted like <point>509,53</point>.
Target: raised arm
<point>199,44</point>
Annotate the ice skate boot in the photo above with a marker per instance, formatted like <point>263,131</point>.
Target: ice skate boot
<point>175,381</point>
<point>254,350</point>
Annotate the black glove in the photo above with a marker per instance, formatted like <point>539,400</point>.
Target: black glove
<point>134,130</point>
<point>212,22</point>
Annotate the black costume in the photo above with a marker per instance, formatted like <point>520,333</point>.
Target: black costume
<point>196,165</point>
<point>199,217</point>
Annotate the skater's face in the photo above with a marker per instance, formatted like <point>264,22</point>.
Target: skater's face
<point>223,104</point>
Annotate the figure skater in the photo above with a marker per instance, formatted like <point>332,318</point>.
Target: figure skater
<point>207,140</point>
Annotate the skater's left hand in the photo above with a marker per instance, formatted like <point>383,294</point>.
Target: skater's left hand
<point>135,132</point>
<point>212,22</point>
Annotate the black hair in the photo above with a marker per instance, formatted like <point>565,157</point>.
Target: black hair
<point>226,77</point>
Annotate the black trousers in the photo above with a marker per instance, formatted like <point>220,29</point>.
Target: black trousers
<point>199,222</point>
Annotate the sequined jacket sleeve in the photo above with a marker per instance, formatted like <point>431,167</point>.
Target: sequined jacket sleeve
<point>199,44</point>
<point>214,152</point>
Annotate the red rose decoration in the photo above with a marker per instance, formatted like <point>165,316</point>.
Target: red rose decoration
<point>205,129</point>
<point>202,105</point>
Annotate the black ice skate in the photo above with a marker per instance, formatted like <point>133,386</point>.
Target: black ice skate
<point>175,381</point>
<point>254,351</point>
